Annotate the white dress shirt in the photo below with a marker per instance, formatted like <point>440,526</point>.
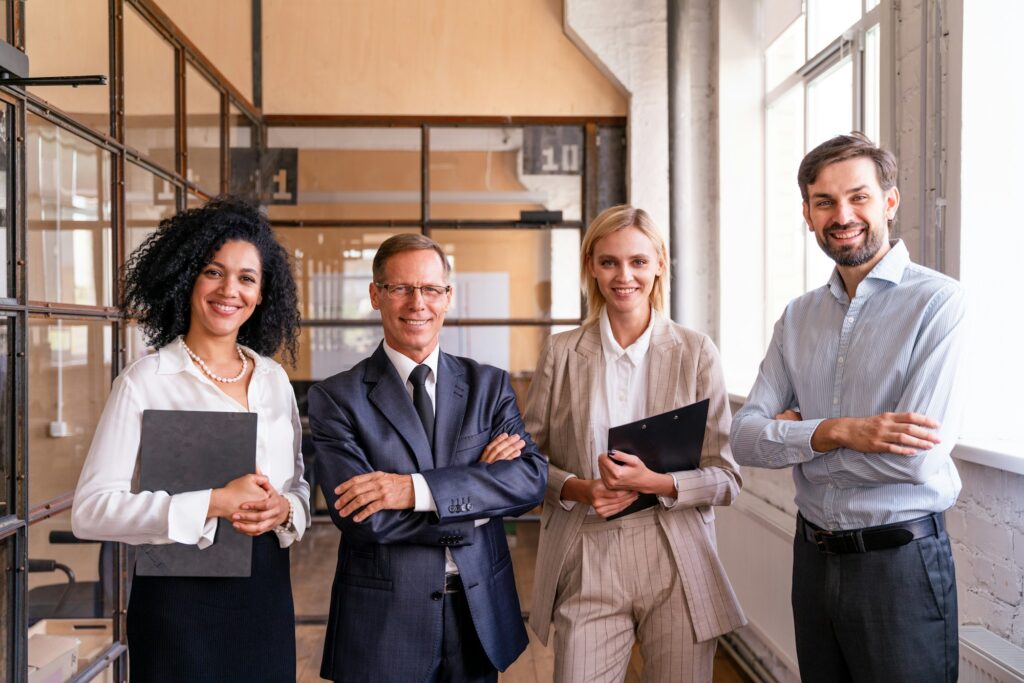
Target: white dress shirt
<point>622,397</point>
<point>423,498</point>
<point>108,507</point>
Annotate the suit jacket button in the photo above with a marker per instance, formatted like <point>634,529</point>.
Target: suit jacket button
<point>458,539</point>
<point>436,595</point>
<point>469,507</point>
<point>453,508</point>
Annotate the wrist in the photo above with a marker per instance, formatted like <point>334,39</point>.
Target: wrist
<point>215,508</point>
<point>661,485</point>
<point>287,524</point>
<point>575,490</point>
<point>829,435</point>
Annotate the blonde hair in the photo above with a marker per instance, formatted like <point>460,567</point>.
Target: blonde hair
<point>611,220</point>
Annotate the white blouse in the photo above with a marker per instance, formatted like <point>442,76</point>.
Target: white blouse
<point>105,507</point>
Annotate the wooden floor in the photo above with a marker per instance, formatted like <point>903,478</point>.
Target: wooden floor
<point>313,570</point>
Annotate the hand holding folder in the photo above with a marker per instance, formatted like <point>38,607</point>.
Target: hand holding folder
<point>669,442</point>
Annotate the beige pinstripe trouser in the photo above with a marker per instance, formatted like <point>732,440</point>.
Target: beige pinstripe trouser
<point>620,583</point>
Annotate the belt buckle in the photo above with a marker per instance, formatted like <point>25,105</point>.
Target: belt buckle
<point>821,536</point>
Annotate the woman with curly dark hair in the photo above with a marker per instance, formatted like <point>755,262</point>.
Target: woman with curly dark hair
<point>213,291</point>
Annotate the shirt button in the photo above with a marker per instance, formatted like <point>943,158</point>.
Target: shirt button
<point>840,359</point>
<point>850,319</point>
<point>835,401</point>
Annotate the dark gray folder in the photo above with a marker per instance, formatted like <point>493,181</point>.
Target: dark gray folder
<point>670,442</point>
<point>192,450</point>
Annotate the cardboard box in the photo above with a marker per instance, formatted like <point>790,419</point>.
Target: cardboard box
<point>94,636</point>
<point>52,659</point>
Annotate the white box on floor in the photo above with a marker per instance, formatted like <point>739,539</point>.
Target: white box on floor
<point>94,636</point>
<point>52,659</point>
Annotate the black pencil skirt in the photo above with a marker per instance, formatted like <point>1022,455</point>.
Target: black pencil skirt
<point>215,630</point>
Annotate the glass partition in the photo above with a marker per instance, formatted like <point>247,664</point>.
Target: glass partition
<point>71,38</point>
<point>148,90</point>
<point>148,199</point>
<point>68,383</point>
<point>498,173</point>
<point>202,122</point>
<point>68,216</point>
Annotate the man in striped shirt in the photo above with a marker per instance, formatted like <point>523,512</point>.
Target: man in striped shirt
<point>860,392</point>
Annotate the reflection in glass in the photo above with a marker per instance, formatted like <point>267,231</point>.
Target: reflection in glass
<point>5,148</point>
<point>68,382</point>
<point>826,21</point>
<point>68,212</point>
<point>784,225</point>
<point>148,199</point>
<point>243,154</point>
<point>513,273</point>
<point>202,120</point>
<point>785,55</point>
<point>496,173</point>
<point>6,416</point>
<point>149,91</point>
<point>71,588</point>
<point>344,173</point>
<point>334,268</point>
<point>70,37</point>
<point>6,604</point>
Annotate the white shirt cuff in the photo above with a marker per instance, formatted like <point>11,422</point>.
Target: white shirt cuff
<point>667,502</point>
<point>286,538</point>
<point>187,521</point>
<point>567,504</point>
<point>423,499</point>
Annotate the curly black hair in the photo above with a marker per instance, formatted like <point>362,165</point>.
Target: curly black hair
<point>160,274</point>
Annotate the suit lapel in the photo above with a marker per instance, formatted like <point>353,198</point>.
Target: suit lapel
<point>393,401</point>
<point>666,364</point>
<point>450,396</point>
<point>584,370</point>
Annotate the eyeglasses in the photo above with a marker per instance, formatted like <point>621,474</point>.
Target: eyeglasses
<point>428,292</point>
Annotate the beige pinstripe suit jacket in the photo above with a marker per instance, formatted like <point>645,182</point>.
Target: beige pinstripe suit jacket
<point>684,368</point>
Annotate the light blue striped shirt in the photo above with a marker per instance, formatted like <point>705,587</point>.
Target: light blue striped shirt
<point>896,347</point>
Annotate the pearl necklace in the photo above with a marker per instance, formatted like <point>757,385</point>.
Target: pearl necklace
<point>202,364</point>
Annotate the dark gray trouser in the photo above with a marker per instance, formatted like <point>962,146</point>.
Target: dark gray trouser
<point>885,615</point>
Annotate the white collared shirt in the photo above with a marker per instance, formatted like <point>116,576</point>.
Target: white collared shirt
<point>423,498</point>
<point>108,507</point>
<point>622,397</point>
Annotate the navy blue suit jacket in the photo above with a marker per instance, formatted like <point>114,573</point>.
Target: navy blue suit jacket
<point>385,619</point>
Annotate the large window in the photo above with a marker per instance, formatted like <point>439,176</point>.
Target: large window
<point>821,76</point>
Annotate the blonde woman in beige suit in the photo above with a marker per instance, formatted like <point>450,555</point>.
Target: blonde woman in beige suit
<point>652,576</point>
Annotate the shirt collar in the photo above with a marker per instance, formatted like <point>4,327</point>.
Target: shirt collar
<point>405,365</point>
<point>173,359</point>
<point>889,269</point>
<point>635,352</point>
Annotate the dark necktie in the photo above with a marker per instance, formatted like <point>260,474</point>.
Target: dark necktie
<point>420,399</point>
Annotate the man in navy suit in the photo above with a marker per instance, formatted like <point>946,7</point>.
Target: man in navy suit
<point>417,453</point>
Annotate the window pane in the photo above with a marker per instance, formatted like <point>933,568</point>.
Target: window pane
<point>68,211</point>
<point>826,21</point>
<point>785,55</point>
<point>514,273</point>
<point>6,114</point>
<point>202,106</point>
<point>69,373</point>
<point>343,173</point>
<point>243,152</point>
<point>6,415</point>
<point>70,38</point>
<point>148,199</point>
<point>325,351</point>
<point>61,609</point>
<point>496,173</point>
<point>784,225</point>
<point>149,91</point>
<point>829,113</point>
<point>334,268</point>
<point>872,84</point>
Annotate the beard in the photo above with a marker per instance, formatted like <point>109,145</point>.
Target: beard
<point>851,255</point>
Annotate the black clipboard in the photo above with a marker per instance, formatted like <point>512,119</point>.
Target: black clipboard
<point>669,442</point>
<point>192,450</point>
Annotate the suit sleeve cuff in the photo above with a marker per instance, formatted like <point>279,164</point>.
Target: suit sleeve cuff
<point>187,522</point>
<point>423,499</point>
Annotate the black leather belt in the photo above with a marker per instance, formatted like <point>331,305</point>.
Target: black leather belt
<point>870,538</point>
<point>452,583</point>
